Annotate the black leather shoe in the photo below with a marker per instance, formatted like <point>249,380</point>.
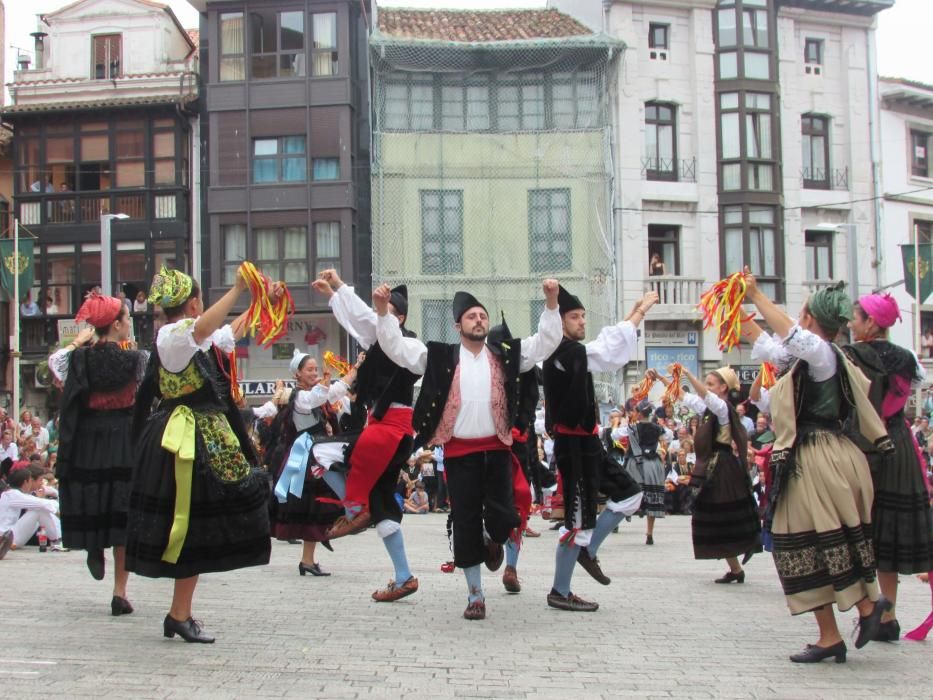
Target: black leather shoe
<point>814,654</point>
<point>730,577</point>
<point>868,626</point>
<point>495,553</point>
<point>327,545</point>
<point>591,566</point>
<point>649,539</point>
<point>95,563</point>
<point>889,631</point>
<point>315,570</point>
<point>120,606</point>
<point>190,630</point>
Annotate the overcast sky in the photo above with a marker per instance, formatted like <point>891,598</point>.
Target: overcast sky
<point>903,31</point>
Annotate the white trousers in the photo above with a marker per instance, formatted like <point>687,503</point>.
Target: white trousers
<point>29,523</point>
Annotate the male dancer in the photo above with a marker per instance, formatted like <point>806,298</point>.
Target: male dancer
<point>571,417</point>
<point>468,401</point>
<point>386,390</point>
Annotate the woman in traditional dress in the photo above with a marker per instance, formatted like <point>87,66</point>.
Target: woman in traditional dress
<point>725,521</point>
<point>95,456</point>
<point>296,509</point>
<point>819,510</point>
<point>198,502</point>
<point>644,465</point>
<point>901,517</point>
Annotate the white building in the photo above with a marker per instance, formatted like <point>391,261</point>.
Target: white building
<point>907,126</point>
<point>746,133</point>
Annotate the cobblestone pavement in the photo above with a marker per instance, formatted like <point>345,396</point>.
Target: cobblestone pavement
<point>664,629</point>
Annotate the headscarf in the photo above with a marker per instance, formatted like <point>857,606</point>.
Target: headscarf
<point>831,307</point>
<point>882,308</point>
<point>297,358</point>
<point>170,288</point>
<point>98,310</point>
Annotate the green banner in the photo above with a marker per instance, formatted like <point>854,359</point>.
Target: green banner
<point>922,270</point>
<point>24,267</point>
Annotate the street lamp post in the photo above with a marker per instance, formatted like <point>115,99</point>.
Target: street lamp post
<point>106,273</point>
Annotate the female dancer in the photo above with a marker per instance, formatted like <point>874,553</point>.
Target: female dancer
<point>198,503</point>
<point>296,511</point>
<point>901,517</point>
<point>725,521</point>
<point>644,466</point>
<point>95,456</point>
<point>819,511</point>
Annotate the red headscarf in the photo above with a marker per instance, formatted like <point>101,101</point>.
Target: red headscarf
<point>882,308</point>
<point>99,311</point>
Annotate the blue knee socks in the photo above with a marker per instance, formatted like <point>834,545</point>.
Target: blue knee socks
<point>395,546</point>
<point>566,559</point>
<point>474,579</point>
<point>511,553</point>
<point>605,523</point>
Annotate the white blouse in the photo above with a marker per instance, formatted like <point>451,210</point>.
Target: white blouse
<point>715,404</point>
<point>176,345</point>
<point>355,315</point>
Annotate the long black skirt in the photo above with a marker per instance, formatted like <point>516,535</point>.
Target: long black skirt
<point>901,516</point>
<point>306,518</point>
<point>94,490</point>
<point>725,519</point>
<point>229,521</point>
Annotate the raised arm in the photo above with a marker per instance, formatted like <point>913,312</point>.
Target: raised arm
<point>213,318</point>
<point>409,353</point>
<point>351,312</point>
<point>615,345</point>
<point>540,346</point>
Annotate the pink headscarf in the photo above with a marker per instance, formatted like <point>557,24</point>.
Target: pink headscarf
<point>882,308</point>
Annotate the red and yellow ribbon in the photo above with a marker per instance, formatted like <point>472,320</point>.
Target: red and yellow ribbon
<point>768,375</point>
<point>721,305</point>
<point>674,391</point>
<point>640,392</point>
<point>337,363</point>
<point>266,318</point>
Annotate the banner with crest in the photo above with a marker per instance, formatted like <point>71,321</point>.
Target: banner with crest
<point>24,267</point>
<point>922,268</point>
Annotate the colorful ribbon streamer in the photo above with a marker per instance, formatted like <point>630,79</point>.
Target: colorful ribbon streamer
<point>674,392</point>
<point>267,319</point>
<point>292,480</point>
<point>768,375</point>
<point>178,439</point>
<point>337,363</point>
<point>721,305</point>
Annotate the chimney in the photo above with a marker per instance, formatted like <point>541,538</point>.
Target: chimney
<point>39,37</point>
<point>23,61</point>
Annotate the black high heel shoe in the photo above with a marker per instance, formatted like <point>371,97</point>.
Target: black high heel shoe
<point>814,654</point>
<point>190,630</point>
<point>730,577</point>
<point>315,570</point>
<point>120,606</point>
<point>869,625</point>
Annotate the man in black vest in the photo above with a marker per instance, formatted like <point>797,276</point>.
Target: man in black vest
<point>468,402</point>
<point>386,391</point>
<point>571,417</point>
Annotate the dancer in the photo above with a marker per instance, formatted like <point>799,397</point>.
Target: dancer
<point>901,518</point>
<point>644,465</point>
<point>296,511</point>
<point>725,519</point>
<point>197,504</point>
<point>570,416</point>
<point>386,390</point>
<point>819,510</point>
<point>95,455</point>
<point>468,402</point>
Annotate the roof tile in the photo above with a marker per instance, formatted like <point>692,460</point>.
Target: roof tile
<point>469,26</point>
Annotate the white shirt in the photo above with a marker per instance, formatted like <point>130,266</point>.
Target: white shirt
<point>12,501</point>
<point>764,401</point>
<point>10,451</point>
<point>801,344</point>
<point>475,417</point>
<point>267,410</point>
<point>612,348</point>
<point>747,423</point>
<point>715,404</point>
<point>355,315</point>
<point>175,343</point>
<point>41,439</point>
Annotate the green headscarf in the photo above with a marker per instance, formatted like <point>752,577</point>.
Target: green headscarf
<point>170,288</point>
<point>831,307</point>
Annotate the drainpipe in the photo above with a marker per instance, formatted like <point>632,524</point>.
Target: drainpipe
<point>874,139</point>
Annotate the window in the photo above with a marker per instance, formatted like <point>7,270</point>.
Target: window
<point>574,100</point>
<point>549,230</point>
<point>280,159</point>
<point>131,155</point>
<point>521,102</point>
<point>325,168</point>
<point>755,28</point>
<point>409,103</point>
<point>728,32</point>
<point>278,43</point>
<point>324,44</point>
<point>658,35</point>
<point>923,231</point>
<point>233,241</point>
<point>813,56</point>
<point>441,231</point>
<point>751,238</point>
<point>664,241</point>
<point>819,255</point>
<point>232,54</point>
<point>746,135</point>
<point>920,153</point>
<point>163,157</point>
<point>106,56</point>
<point>749,54</point>
<point>660,142</point>
<point>815,146</point>
<point>437,322</point>
<point>282,253</point>
<point>327,245</point>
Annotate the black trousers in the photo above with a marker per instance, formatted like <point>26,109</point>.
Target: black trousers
<point>382,503</point>
<point>480,488</point>
<point>579,459</point>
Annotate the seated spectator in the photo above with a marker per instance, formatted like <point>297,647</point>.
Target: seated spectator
<point>25,423</point>
<point>762,435</point>
<point>40,435</point>
<point>409,476</point>
<point>22,513</point>
<point>418,501</point>
<point>428,477</point>
<point>27,448</point>
<point>8,448</point>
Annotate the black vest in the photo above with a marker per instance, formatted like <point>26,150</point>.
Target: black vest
<point>439,375</point>
<point>380,382</point>
<point>569,397</point>
<point>528,396</point>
